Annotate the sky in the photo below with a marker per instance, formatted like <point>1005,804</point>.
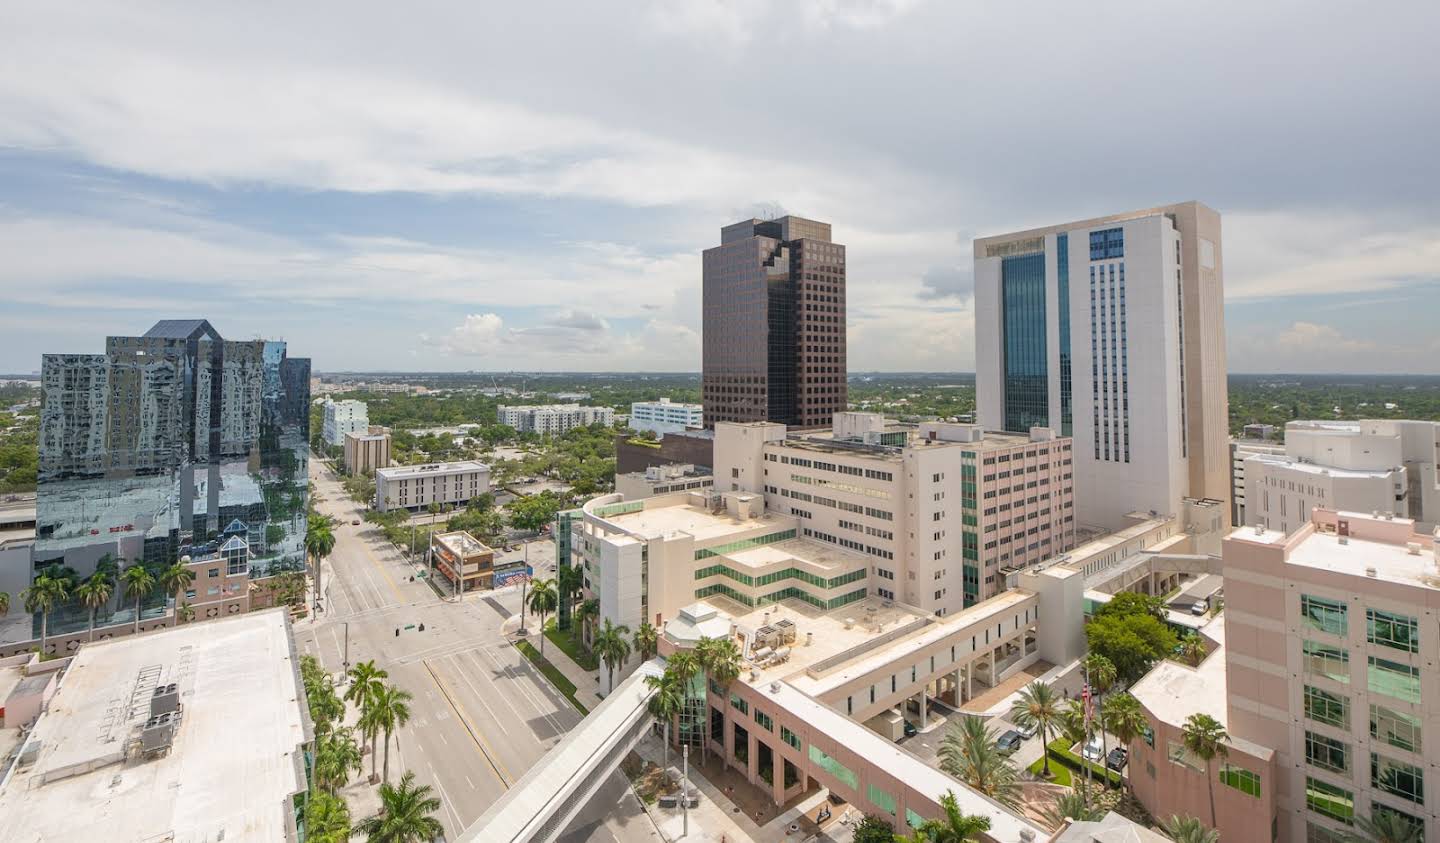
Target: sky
<point>529,186</point>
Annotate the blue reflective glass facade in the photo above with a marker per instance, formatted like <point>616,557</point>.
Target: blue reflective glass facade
<point>1022,291</point>
<point>1107,244</point>
<point>1062,271</point>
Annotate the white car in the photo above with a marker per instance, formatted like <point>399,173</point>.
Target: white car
<point>1027,732</point>
<point>1093,751</point>
<point>1200,608</point>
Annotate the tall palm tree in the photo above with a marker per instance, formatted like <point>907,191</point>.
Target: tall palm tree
<point>94,593</point>
<point>1071,721</point>
<point>1071,805</point>
<point>1386,827</point>
<point>645,641</point>
<point>543,600</point>
<point>1190,830</point>
<point>612,647</point>
<point>685,667</point>
<point>666,701</point>
<point>43,595</point>
<point>319,543</point>
<point>719,658</point>
<point>569,581</point>
<point>1205,737</point>
<point>175,579</point>
<point>953,826</point>
<point>1100,673</point>
<point>327,819</point>
<point>1123,717</point>
<point>335,758</point>
<point>584,616</point>
<point>1038,708</point>
<point>392,707</point>
<point>138,584</point>
<point>968,752</point>
<point>1192,649</point>
<point>405,814</point>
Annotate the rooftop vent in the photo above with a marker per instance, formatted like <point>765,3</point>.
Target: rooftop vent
<point>1413,548</point>
<point>775,687</point>
<point>1370,572</point>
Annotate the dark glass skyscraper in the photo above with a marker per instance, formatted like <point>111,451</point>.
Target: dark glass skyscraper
<point>774,324</point>
<point>1022,292</point>
<point>172,444</point>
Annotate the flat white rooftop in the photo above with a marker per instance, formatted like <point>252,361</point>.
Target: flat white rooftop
<point>397,472</point>
<point>816,554</point>
<point>1392,562</point>
<point>703,524</point>
<point>1319,470</point>
<point>232,768</point>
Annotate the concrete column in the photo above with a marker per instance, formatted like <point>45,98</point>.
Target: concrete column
<point>778,777</point>
<point>969,681</point>
<point>729,735</point>
<point>959,687</point>
<point>924,707</point>
<point>752,764</point>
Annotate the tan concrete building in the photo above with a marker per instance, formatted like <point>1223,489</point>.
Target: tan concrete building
<point>460,555</point>
<point>366,453</point>
<point>415,487</point>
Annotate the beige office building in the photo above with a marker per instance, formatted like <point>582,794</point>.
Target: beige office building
<point>415,487</point>
<point>366,453</point>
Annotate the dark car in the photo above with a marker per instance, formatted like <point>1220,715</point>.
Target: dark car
<point>1117,759</point>
<point>1010,741</point>
<point>910,729</point>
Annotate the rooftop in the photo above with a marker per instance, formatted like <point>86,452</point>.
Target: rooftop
<point>816,554</point>
<point>234,763</point>
<point>462,544</point>
<point>826,441</point>
<point>395,472</point>
<point>1310,467</point>
<point>703,524</point>
<point>1391,562</point>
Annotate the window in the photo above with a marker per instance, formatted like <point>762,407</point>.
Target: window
<point>880,799</point>
<point>833,767</point>
<point>1395,679</point>
<point>1395,728</point>
<point>1178,754</point>
<point>1325,660</point>
<point>1390,630</point>
<point>789,737</point>
<point>1325,707</point>
<point>1240,778</point>
<point>1327,800</point>
<point>1326,753</point>
<point>764,721</point>
<point>1106,244</point>
<point>213,572</point>
<point>1397,778</point>
<point>1325,615</point>
<point>1320,834</point>
<point>739,705</point>
<point>1377,810</point>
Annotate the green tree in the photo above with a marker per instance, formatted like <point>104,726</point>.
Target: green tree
<point>1037,707</point>
<point>569,581</point>
<point>543,600</point>
<point>405,814</point>
<point>1131,642</point>
<point>532,513</point>
<point>1071,722</point>
<point>953,825</point>
<point>685,666</point>
<point>1385,826</point>
<point>1133,603</point>
<point>139,583</point>
<point>366,681</point>
<point>335,758</point>
<point>327,819</point>
<point>969,753</point>
<point>667,699</point>
<point>5,603</point>
<point>1100,672</point>
<point>585,615</point>
<point>1071,805</point>
<point>612,647</point>
<point>43,595</point>
<point>873,829</point>
<point>719,660</point>
<point>1204,736</point>
<point>1123,717</point>
<point>319,543</point>
<point>1190,830</point>
<point>175,580</point>
<point>645,641</point>
<point>1192,649</point>
<point>94,593</point>
<point>392,709</point>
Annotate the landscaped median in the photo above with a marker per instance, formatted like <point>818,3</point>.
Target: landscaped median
<point>563,685</point>
<point>1059,774</point>
<point>1060,752</point>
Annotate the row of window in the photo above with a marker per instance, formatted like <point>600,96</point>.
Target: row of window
<point>1387,629</point>
<point>744,544</point>
<point>1395,728</point>
<point>1401,681</point>
<point>777,576</point>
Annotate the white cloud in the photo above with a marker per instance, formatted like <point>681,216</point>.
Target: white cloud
<point>1308,337</point>
<point>570,339</point>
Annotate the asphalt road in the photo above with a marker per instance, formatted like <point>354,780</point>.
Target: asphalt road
<point>481,714</point>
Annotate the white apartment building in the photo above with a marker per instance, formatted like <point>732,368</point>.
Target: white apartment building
<point>1241,450</point>
<point>553,418</point>
<point>342,417</point>
<point>1111,330</point>
<point>1382,465</point>
<point>944,511</point>
<point>664,416</point>
<point>415,487</point>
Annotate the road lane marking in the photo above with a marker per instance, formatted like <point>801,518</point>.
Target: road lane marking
<point>495,765</point>
<point>449,803</point>
<point>467,781</point>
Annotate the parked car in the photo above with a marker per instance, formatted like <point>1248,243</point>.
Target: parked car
<point>1117,759</point>
<point>1200,607</point>
<point>1093,750</point>
<point>1010,741</point>
<point>355,523</point>
<point>909,729</point>
<point>1028,732</point>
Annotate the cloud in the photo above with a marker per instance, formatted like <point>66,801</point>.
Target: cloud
<point>941,282</point>
<point>1310,337</point>
<point>480,334</point>
<point>571,339</point>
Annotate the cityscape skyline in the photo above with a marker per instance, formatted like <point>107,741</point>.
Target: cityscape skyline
<point>563,232</point>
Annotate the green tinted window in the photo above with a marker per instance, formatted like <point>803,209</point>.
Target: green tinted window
<point>1324,615</point>
<point>1327,753</point>
<point>1395,679</point>
<point>1396,728</point>
<point>1328,708</point>
<point>1240,778</point>
<point>1327,800</point>
<point>1397,778</point>
<point>1325,660</point>
<point>1391,630</point>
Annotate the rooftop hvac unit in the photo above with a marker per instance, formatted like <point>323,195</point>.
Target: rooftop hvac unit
<point>165,699</point>
<point>767,636</point>
<point>787,629</point>
<point>159,733</point>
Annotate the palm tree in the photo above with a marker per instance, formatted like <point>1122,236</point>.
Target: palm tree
<point>645,641</point>
<point>968,752</point>
<point>405,814</point>
<point>569,581</point>
<point>1190,830</point>
<point>543,600</point>
<point>42,596</point>
<point>335,758</point>
<point>1037,708</point>
<point>327,819</point>
<point>1100,675</point>
<point>612,648</point>
<point>719,658</point>
<point>1205,737</point>
<point>584,616</point>
<point>666,702</point>
<point>1123,717</point>
<point>138,585</point>
<point>186,613</point>
<point>685,666</point>
<point>1071,805</point>
<point>1386,827</point>
<point>1071,722</point>
<point>953,826</point>
<point>319,543</point>
<point>392,708</point>
<point>1192,649</point>
<point>175,579</point>
<point>94,593</point>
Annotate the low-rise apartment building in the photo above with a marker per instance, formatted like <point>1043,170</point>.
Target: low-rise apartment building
<point>368,451</point>
<point>664,416</point>
<point>553,418</point>
<point>946,510</point>
<point>342,417</point>
<point>415,487</point>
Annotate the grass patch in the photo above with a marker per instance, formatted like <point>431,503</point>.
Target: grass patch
<point>1060,774</point>
<point>1059,751</point>
<point>570,647</point>
<point>563,685</point>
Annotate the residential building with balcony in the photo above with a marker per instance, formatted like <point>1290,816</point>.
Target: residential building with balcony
<point>553,418</point>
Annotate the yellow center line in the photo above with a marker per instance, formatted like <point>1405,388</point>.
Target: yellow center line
<point>495,765</point>
<point>365,544</point>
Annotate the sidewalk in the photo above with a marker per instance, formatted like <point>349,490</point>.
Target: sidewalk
<point>586,682</point>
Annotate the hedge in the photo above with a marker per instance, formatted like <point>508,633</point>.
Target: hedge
<point>1061,752</point>
<point>563,685</point>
